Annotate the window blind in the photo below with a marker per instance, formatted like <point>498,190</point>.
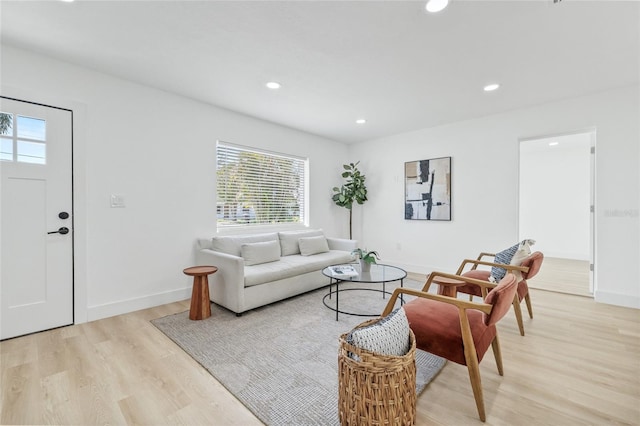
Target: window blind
<point>257,187</point>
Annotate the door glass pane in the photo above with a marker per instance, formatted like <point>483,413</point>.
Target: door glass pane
<point>6,123</point>
<point>6,149</point>
<point>31,128</point>
<point>31,152</point>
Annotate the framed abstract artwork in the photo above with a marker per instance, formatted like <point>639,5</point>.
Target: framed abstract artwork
<point>427,189</point>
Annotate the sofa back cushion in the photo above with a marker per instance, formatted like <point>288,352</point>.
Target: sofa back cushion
<point>289,240</point>
<point>204,243</point>
<point>258,253</point>
<point>232,244</point>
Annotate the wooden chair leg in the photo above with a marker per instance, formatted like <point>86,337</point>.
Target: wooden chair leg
<point>518,312</point>
<point>497,353</point>
<point>471,359</point>
<point>527,300</point>
<point>476,386</point>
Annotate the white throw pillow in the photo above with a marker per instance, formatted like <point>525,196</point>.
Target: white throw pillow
<point>524,250</point>
<point>231,244</point>
<point>257,253</point>
<point>313,245</point>
<point>389,336</point>
<point>289,240</point>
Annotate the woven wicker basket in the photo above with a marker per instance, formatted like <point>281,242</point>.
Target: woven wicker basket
<point>378,389</point>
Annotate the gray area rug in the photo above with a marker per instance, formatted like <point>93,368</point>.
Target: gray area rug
<point>281,360</point>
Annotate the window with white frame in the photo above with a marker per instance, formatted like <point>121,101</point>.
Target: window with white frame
<point>23,139</point>
<point>257,187</point>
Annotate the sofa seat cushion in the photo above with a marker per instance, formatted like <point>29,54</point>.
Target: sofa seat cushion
<point>290,266</point>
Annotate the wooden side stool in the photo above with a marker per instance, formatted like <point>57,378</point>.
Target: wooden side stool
<point>200,303</point>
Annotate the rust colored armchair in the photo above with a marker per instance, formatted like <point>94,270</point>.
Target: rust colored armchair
<point>527,269</point>
<point>459,330</point>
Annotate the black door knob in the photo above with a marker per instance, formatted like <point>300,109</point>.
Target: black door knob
<point>63,215</point>
<point>63,230</point>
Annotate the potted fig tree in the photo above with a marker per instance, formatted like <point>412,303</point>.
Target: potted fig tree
<point>353,190</point>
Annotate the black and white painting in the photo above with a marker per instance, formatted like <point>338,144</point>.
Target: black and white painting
<point>427,189</point>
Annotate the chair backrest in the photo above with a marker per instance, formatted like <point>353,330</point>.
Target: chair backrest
<point>533,262</point>
<point>501,297</point>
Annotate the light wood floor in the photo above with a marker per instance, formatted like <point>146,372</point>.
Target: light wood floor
<point>579,364</point>
<point>563,275</point>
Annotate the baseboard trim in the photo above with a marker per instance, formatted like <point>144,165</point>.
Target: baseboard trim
<point>617,299</point>
<point>130,305</point>
<point>414,270</point>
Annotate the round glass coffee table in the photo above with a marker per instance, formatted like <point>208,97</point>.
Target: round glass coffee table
<point>351,273</point>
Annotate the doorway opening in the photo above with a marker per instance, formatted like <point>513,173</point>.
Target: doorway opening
<point>556,209</point>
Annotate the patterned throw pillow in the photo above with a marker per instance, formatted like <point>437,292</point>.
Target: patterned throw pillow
<point>389,336</point>
<point>503,257</point>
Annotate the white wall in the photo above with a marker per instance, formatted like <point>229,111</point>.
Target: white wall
<point>555,195</point>
<point>158,151</point>
<point>485,188</point>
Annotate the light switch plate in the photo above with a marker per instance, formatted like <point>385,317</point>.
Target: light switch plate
<point>117,201</point>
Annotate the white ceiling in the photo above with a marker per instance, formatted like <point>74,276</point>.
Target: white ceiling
<point>390,62</point>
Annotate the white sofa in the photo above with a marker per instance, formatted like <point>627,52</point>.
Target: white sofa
<point>258,269</point>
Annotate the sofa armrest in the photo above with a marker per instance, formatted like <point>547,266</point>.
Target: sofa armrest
<point>227,285</point>
<point>342,244</point>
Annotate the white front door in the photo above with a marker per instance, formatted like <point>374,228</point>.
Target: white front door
<point>36,291</point>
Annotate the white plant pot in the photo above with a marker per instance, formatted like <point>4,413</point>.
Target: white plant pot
<point>365,266</point>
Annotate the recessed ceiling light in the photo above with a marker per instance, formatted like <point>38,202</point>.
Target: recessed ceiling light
<point>273,85</point>
<point>553,143</point>
<point>491,87</point>
<point>434,6</point>
<point>68,1</point>
<point>361,121</point>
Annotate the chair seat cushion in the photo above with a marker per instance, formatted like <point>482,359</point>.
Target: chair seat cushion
<point>472,288</point>
<point>436,326</point>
